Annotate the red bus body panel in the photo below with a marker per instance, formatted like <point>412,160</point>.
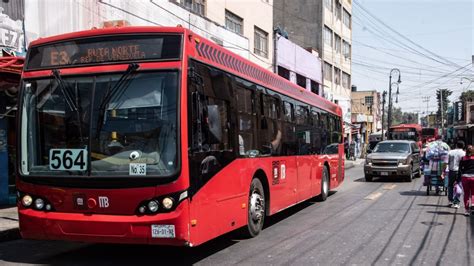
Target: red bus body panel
<point>220,205</point>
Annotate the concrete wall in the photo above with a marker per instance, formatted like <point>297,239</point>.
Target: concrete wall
<point>302,20</point>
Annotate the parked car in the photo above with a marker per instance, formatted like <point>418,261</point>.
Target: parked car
<point>393,158</point>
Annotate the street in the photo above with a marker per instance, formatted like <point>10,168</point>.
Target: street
<point>382,222</point>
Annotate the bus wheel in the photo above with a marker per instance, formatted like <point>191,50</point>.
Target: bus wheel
<point>256,209</point>
<point>324,185</point>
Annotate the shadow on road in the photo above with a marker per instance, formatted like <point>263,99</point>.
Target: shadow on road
<point>380,180</point>
<point>413,193</point>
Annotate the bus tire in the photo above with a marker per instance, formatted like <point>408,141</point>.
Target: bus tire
<point>255,210</point>
<point>324,185</point>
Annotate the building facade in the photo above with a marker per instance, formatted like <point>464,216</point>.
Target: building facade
<point>366,112</point>
<point>326,27</point>
<point>245,31</point>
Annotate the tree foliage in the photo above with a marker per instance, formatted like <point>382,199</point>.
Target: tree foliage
<point>445,100</point>
<point>467,96</point>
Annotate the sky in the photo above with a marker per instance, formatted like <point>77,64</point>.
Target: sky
<point>439,54</point>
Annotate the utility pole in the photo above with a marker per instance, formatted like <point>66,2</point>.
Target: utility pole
<point>389,116</point>
<point>383,110</point>
<point>442,115</point>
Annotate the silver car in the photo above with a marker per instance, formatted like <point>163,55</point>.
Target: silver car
<point>393,158</point>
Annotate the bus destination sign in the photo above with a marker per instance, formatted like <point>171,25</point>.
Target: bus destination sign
<point>108,49</point>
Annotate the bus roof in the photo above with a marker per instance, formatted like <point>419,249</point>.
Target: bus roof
<point>209,52</point>
<point>416,126</point>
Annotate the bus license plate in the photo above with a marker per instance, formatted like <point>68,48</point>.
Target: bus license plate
<point>384,173</point>
<point>162,231</point>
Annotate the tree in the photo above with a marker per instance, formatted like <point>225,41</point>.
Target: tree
<point>467,96</point>
<point>445,93</point>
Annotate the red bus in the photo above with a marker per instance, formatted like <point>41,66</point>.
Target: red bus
<point>155,135</point>
<point>428,133</point>
<point>406,132</point>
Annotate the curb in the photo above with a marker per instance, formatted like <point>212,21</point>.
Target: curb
<point>10,234</point>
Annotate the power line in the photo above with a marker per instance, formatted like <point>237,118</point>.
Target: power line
<point>403,36</point>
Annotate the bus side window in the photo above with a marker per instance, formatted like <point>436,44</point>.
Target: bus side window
<point>246,120</point>
<point>315,132</point>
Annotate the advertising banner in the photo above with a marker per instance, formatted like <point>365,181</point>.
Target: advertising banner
<point>12,36</point>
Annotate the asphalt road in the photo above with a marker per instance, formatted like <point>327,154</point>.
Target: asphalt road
<point>382,222</point>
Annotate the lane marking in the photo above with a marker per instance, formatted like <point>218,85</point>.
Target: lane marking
<point>389,187</point>
<point>373,196</point>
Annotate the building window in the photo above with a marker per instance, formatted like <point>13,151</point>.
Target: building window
<point>369,100</point>
<point>346,49</point>
<point>260,42</point>
<point>301,80</point>
<point>314,87</point>
<point>337,76</point>
<point>338,10</point>
<point>337,43</point>
<point>328,4</point>
<point>346,19</point>
<point>327,36</point>
<point>195,6</point>
<point>283,72</point>
<point>346,80</point>
<point>327,71</point>
<point>234,23</point>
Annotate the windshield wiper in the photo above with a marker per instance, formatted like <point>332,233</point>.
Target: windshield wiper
<point>69,99</point>
<point>116,91</point>
<point>64,90</point>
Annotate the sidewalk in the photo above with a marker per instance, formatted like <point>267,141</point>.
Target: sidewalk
<point>348,164</point>
<point>8,224</point>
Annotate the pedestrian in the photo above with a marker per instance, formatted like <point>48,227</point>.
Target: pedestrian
<point>437,154</point>
<point>346,148</point>
<point>455,157</point>
<point>466,172</point>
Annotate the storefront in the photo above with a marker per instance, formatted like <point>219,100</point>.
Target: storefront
<point>10,73</point>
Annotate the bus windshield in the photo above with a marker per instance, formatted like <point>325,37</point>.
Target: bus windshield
<point>100,125</point>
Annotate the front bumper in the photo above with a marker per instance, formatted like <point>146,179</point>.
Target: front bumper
<point>102,228</point>
<point>387,171</point>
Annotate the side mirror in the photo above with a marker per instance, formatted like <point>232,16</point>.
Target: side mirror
<point>369,151</point>
<point>214,124</point>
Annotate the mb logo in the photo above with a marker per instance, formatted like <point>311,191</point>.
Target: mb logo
<point>103,202</point>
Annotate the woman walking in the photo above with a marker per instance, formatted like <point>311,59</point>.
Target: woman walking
<point>466,171</point>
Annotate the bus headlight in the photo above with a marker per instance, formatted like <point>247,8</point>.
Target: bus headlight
<point>168,203</point>
<point>27,200</point>
<point>153,206</point>
<point>39,203</point>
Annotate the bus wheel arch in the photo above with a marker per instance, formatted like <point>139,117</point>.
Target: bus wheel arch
<point>255,215</point>
<point>325,182</point>
<point>260,174</point>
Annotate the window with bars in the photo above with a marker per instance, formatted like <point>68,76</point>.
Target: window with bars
<point>327,71</point>
<point>346,19</point>
<point>196,6</point>
<point>346,49</point>
<point>327,36</point>
<point>328,4</point>
<point>234,23</point>
<point>337,76</point>
<point>346,80</point>
<point>337,43</point>
<point>337,10</point>
<point>369,100</point>
<point>260,42</point>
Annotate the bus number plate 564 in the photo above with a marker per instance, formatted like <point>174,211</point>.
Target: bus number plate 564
<point>162,231</point>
